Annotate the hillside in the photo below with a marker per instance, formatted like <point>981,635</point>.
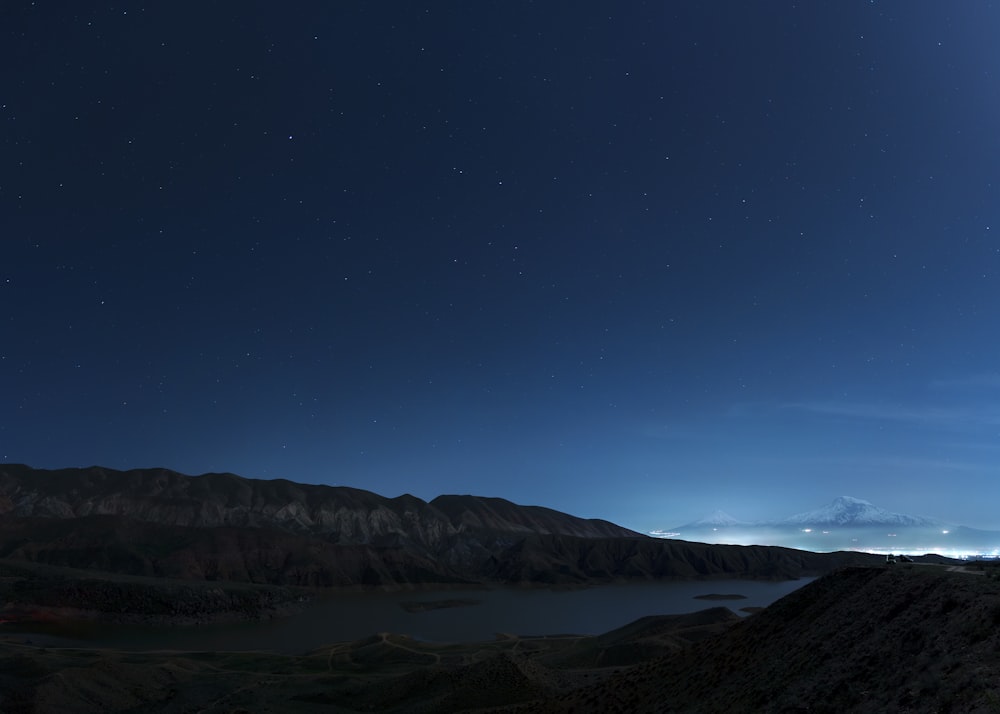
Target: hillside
<point>339,513</point>
<point>221,527</point>
<point>866,640</point>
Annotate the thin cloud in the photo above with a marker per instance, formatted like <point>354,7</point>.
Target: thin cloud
<point>918,465</point>
<point>989,380</point>
<point>946,417</point>
<point>879,464</point>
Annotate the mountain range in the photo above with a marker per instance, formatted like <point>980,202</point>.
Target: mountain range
<point>846,523</point>
<point>159,524</point>
<point>154,546</point>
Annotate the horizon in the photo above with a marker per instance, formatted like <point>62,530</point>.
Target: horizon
<point>632,262</point>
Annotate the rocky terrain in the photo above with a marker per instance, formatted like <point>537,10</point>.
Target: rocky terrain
<point>338,513</point>
<point>907,638</point>
<point>223,528</point>
<point>866,640</point>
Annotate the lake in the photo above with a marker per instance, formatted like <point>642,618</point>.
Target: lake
<point>349,616</point>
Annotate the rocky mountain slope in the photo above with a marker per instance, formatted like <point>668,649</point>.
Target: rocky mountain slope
<point>340,514</point>
<point>221,527</point>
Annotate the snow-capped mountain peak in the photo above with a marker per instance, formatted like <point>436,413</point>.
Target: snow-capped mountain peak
<point>716,519</point>
<point>846,510</point>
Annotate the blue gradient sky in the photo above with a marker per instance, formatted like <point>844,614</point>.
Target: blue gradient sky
<point>634,262</point>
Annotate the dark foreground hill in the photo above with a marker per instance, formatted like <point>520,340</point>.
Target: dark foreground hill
<point>870,640</point>
<point>866,640</point>
<point>156,523</point>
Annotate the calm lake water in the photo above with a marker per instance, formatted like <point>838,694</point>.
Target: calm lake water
<point>350,616</point>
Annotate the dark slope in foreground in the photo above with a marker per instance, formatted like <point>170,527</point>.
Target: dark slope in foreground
<point>915,639</point>
<point>384,672</point>
<point>867,640</point>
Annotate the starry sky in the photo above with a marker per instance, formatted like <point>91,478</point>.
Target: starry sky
<point>637,261</point>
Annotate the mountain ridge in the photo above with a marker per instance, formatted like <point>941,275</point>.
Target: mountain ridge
<point>168,497</point>
<point>841,511</point>
<point>847,510</point>
<point>159,523</point>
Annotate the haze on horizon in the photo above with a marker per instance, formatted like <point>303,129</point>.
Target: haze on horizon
<point>631,262</point>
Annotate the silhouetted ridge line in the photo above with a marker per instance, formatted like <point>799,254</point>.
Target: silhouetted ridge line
<point>159,523</point>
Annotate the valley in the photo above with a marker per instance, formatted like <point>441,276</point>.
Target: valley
<point>862,639</point>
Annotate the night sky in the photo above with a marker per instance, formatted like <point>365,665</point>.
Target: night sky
<point>636,261</point>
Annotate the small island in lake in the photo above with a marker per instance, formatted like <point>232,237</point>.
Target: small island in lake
<point>717,596</point>
<point>425,605</point>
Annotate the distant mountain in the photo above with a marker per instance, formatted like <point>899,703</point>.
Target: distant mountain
<point>846,523</point>
<point>848,511</point>
<point>714,520</point>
